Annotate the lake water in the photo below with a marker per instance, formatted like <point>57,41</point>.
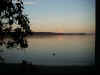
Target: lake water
<point>67,50</point>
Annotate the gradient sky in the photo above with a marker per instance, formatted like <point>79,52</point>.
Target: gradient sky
<point>61,15</point>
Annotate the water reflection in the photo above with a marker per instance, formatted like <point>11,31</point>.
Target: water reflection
<point>49,50</point>
<point>22,43</point>
<point>14,42</point>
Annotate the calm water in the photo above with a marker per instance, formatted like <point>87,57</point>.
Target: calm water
<point>69,50</point>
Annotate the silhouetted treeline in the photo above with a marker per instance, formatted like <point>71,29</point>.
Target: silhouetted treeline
<point>57,33</point>
<point>44,33</point>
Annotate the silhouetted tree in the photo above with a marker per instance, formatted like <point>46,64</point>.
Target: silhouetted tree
<point>11,13</point>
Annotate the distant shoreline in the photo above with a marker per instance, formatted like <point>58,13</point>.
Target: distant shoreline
<point>46,33</point>
<point>55,33</point>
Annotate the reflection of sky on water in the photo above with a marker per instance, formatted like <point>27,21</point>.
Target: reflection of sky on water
<point>70,50</point>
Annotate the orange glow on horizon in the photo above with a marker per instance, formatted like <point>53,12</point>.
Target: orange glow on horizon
<point>60,37</point>
<point>60,30</point>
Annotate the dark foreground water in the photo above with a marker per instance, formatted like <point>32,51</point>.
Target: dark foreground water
<point>54,50</point>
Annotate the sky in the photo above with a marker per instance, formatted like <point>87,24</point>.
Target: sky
<point>61,15</point>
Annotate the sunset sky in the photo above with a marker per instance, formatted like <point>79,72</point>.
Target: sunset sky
<point>61,15</point>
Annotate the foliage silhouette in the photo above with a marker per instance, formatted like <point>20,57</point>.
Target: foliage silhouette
<point>11,14</point>
<point>13,19</point>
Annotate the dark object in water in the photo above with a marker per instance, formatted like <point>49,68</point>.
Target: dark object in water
<point>2,59</point>
<point>53,54</point>
<point>1,50</point>
<point>23,44</point>
<point>10,44</point>
<point>1,43</point>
